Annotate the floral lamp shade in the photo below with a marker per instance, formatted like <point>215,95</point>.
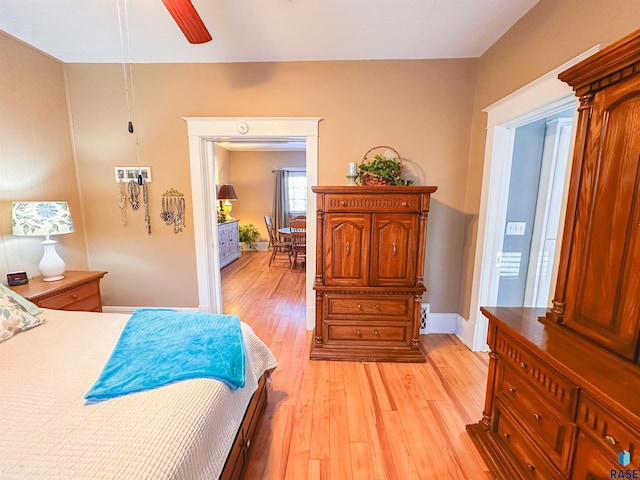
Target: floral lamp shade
<point>41,218</point>
<point>44,219</point>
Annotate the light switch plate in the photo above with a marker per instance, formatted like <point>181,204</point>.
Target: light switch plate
<point>516,228</point>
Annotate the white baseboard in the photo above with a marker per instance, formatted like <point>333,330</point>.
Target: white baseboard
<point>260,247</point>
<point>117,309</point>
<point>442,323</point>
<point>437,322</point>
<point>466,332</point>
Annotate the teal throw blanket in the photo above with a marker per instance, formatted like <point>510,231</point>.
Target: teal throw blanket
<point>161,346</point>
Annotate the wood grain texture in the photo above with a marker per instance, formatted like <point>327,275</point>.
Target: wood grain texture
<point>353,420</point>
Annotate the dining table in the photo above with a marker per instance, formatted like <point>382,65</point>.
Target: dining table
<point>286,230</point>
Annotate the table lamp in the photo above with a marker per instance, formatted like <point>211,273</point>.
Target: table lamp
<point>226,192</point>
<point>44,218</point>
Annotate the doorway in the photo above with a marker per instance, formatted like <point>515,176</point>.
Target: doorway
<point>538,170</point>
<point>203,132</point>
<point>540,99</point>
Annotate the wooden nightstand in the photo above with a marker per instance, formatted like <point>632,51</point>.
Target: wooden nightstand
<point>78,290</point>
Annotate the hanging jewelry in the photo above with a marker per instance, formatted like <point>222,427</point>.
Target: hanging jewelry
<point>134,192</point>
<point>122,203</point>
<point>179,220</point>
<point>173,207</point>
<point>166,214</point>
<point>145,203</point>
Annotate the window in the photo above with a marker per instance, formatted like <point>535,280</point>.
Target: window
<point>298,192</point>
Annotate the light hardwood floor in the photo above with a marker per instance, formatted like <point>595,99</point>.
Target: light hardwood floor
<point>353,420</point>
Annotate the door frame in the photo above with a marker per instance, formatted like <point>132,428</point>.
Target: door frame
<point>550,186</point>
<point>499,194</point>
<point>203,132</point>
<point>542,97</point>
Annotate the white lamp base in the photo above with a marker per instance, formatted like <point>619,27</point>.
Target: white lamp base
<point>51,266</point>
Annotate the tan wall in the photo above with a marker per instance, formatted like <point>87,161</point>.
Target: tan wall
<point>223,169</point>
<point>254,183</point>
<point>552,33</point>
<point>36,156</point>
<point>429,110</point>
<point>422,108</point>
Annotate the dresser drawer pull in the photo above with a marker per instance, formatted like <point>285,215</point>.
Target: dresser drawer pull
<point>377,307</point>
<point>506,435</point>
<point>74,296</point>
<point>358,333</point>
<point>405,204</point>
<point>537,416</point>
<point>611,440</point>
<point>395,249</point>
<point>531,467</point>
<point>512,390</point>
<point>359,307</point>
<point>348,248</point>
<point>343,203</point>
<point>523,365</point>
<point>375,332</point>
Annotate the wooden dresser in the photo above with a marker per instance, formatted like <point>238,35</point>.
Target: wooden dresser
<point>228,242</point>
<point>369,272</point>
<point>563,393</point>
<point>78,290</point>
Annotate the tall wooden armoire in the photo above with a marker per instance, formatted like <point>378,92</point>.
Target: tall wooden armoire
<point>369,264</point>
<point>563,393</point>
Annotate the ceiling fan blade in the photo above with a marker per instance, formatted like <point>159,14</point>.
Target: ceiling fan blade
<point>187,18</point>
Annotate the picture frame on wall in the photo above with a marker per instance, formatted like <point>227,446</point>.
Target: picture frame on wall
<point>126,174</point>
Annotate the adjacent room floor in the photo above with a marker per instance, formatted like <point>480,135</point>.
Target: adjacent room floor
<point>353,420</point>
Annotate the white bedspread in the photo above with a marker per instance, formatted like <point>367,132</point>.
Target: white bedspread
<point>180,431</point>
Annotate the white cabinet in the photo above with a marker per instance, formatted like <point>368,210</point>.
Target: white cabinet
<point>228,242</point>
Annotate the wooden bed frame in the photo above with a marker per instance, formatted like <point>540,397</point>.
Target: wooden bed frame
<point>239,454</point>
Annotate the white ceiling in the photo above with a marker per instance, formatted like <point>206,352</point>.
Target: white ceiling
<point>89,31</point>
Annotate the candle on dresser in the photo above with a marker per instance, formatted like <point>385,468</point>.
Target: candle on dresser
<point>353,168</point>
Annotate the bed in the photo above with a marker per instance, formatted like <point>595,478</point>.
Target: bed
<point>192,429</point>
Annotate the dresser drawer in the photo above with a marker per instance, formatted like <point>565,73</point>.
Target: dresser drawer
<point>340,307</point>
<point>607,428</point>
<point>388,335</point>
<point>550,430</point>
<point>85,297</point>
<point>336,202</point>
<point>511,436</point>
<point>595,463</point>
<point>556,389</point>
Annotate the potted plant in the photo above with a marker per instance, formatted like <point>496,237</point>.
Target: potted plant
<point>381,171</point>
<point>249,234</point>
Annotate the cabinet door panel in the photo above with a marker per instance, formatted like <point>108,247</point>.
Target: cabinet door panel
<point>603,288</point>
<point>394,247</point>
<point>347,238</point>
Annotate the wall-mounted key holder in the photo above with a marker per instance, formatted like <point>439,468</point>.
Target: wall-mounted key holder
<point>126,174</point>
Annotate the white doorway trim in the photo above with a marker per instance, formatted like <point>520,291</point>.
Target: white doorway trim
<point>540,98</point>
<point>203,132</point>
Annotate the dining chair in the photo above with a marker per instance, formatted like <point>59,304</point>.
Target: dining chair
<point>275,244</point>
<point>298,240</point>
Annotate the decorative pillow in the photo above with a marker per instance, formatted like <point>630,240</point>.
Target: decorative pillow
<point>14,317</point>
<point>30,307</point>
